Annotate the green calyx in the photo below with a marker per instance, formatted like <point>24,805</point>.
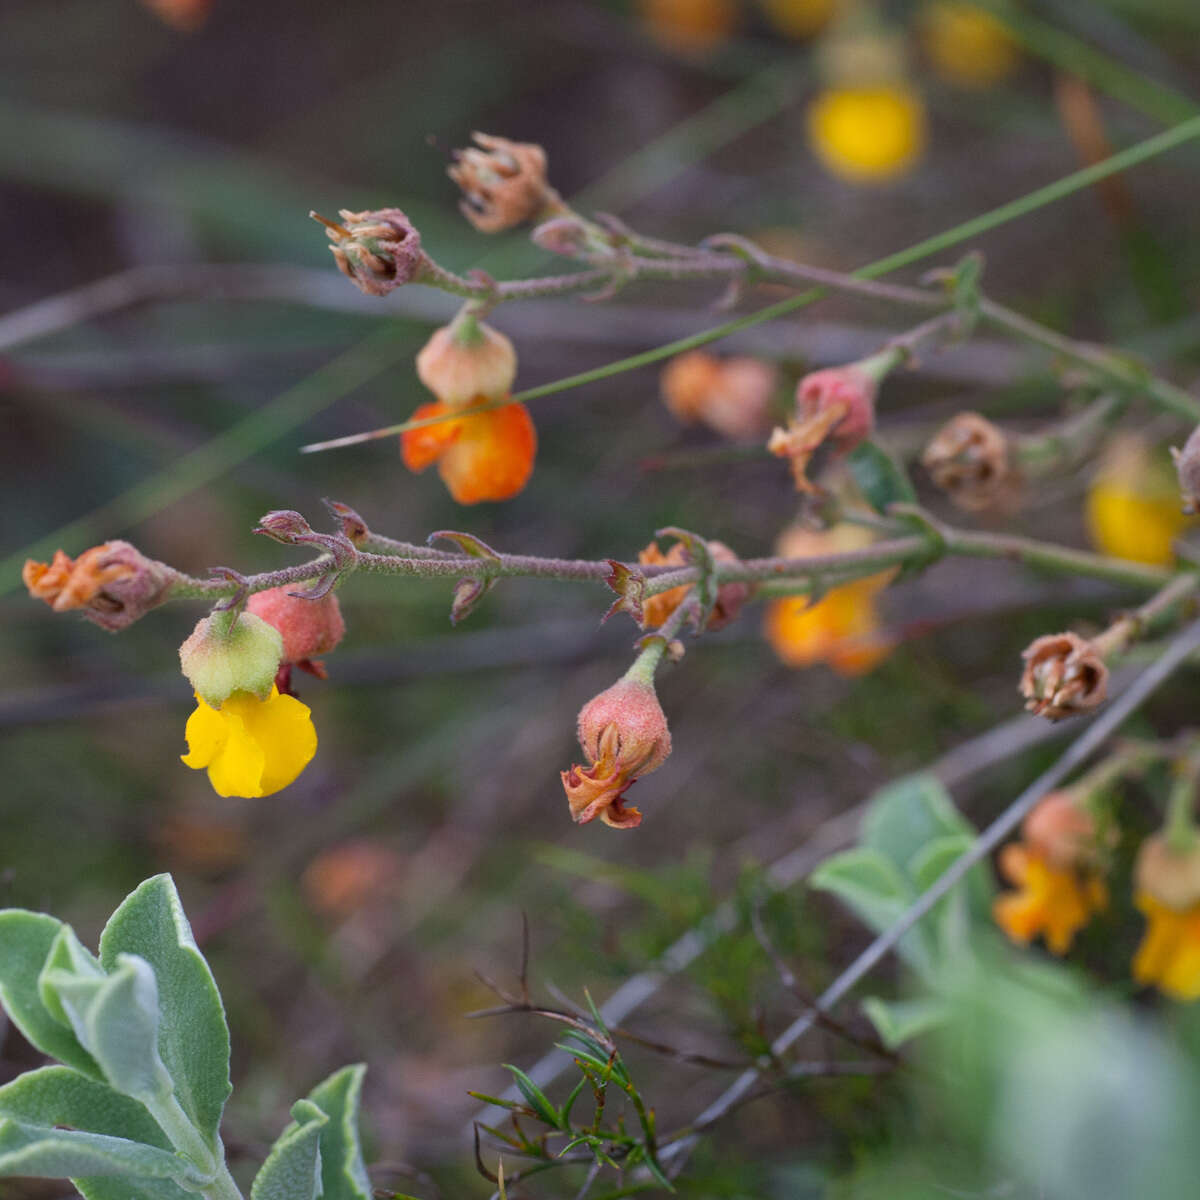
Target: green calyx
<point>224,655</point>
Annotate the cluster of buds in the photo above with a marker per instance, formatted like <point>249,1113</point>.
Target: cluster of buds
<point>623,734</point>
<point>503,183</point>
<point>112,584</point>
<point>970,459</point>
<point>730,596</point>
<point>1064,675</point>
<point>732,396</point>
<point>834,406</point>
<point>378,251</point>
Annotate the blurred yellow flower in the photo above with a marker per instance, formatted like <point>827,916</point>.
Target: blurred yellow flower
<point>967,46</point>
<point>798,18</point>
<point>1133,508</point>
<point>842,628</point>
<point>251,747</point>
<point>867,134</point>
<point>689,26</point>
<point>1056,902</point>
<point>1169,956</point>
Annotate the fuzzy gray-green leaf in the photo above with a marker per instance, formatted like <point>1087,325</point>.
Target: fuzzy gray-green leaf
<point>193,1039</point>
<point>343,1172</point>
<point>26,939</point>
<point>293,1168</point>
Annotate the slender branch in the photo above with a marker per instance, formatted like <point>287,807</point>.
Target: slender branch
<point>1183,645</point>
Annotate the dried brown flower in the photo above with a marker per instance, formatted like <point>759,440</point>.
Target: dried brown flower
<point>112,584</point>
<point>1064,675</point>
<point>730,596</point>
<point>968,458</point>
<point>378,251</point>
<point>503,183</point>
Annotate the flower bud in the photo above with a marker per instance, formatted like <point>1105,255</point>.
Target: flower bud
<point>112,584</point>
<point>623,734</point>
<point>503,183</point>
<point>1064,675</point>
<point>224,656</point>
<point>1062,831</point>
<point>466,360</point>
<point>1171,877</point>
<point>309,628</point>
<point>283,525</point>
<point>562,235</point>
<point>377,251</point>
<point>1187,464</point>
<point>730,596</point>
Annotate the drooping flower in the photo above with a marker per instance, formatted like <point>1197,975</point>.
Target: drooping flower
<point>965,45</point>
<point>250,747</point>
<point>465,360</point>
<point>843,627</point>
<point>480,456</point>
<point>226,654</point>
<point>731,396</point>
<point>1133,506</point>
<point>112,584</point>
<point>1167,891</point>
<point>730,596</point>
<point>623,734</point>
<point>1056,872</point>
<point>870,134</point>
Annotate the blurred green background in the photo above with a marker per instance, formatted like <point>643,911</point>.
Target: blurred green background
<point>344,917</point>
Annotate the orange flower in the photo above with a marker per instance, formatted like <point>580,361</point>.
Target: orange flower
<point>842,628</point>
<point>690,27</point>
<point>480,456</point>
<point>184,15</point>
<point>730,596</point>
<point>1054,901</point>
<point>1169,956</point>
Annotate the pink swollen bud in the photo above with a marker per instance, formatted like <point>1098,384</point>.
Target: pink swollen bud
<point>308,627</point>
<point>849,392</point>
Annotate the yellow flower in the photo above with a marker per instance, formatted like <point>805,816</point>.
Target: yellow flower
<point>842,628</point>
<point>251,747</point>
<point>1056,902</point>
<point>1133,507</point>
<point>867,134</point>
<point>966,46</point>
<point>1169,956</point>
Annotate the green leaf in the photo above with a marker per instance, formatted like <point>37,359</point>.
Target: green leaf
<point>115,1017</point>
<point>534,1096</point>
<point>60,1096</point>
<point>69,954</point>
<point>293,1168</point>
<point>906,815</point>
<point>43,1152</point>
<point>343,1172</point>
<point>871,885</point>
<point>193,1038</point>
<point>882,481</point>
<point>26,939</point>
<point>899,1021</point>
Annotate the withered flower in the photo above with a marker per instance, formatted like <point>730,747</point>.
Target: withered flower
<point>503,183</point>
<point>378,251</point>
<point>1064,675</point>
<point>836,405</point>
<point>112,584</point>
<point>730,596</point>
<point>623,734</point>
<point>968,458</point>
